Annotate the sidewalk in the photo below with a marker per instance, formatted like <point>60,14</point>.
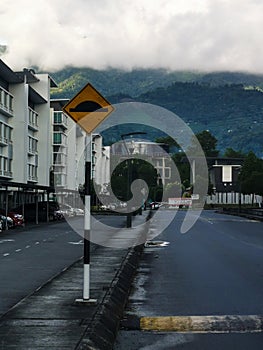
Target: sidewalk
<point>51,319</point>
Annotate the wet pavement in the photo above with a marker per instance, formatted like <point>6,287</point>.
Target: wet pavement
<point>50,318</point>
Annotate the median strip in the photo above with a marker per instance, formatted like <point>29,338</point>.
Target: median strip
<point>197,324</point>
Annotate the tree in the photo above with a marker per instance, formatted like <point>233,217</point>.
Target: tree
<point>208,143</point>
<point>183,167</point>
<point>251,174</point>
<point>129,170</point>
<point>168,140</point>
<point>231,153</point>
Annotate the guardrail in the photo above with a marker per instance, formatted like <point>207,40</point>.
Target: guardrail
<point>252,213</point>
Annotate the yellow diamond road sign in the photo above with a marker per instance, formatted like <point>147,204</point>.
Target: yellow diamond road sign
<point>88,108</point>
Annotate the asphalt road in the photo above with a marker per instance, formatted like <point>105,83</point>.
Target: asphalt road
<point>30,257</point>
<point>216,269</point>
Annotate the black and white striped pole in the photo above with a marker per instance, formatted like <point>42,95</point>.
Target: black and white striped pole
<point>88,109</point>
<point>87,225</point>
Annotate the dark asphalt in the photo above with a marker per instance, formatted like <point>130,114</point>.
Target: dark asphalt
<point>214,269</point>
<point>30,257</point>
<point>49,318</point>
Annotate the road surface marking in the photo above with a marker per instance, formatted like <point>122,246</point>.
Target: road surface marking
<point>204,324</point>
<point>77,243</point>
<point>197,324</point>
<point>6,240</point>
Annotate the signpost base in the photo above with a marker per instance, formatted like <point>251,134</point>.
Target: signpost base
<point>86,301</point>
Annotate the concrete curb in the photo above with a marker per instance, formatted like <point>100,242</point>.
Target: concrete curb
<point>101,333</point>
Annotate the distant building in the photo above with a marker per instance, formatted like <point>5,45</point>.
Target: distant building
<point>224,172</point>
<point>100,163</point>
<point>157,153</point>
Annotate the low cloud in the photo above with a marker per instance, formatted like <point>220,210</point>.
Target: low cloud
<point>195,34</point>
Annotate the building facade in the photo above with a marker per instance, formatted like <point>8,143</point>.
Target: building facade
<point>25,138</point>
<point>42,151</point>
<point>156,153</point>
<point>69,155</point>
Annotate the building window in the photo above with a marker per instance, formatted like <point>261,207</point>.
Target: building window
<point>5,166</point>
<point>32,172</point>
<point>59,138</point>
<point>60,118</point>
<point>32,144</point>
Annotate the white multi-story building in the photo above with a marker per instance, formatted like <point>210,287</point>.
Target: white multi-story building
<point>100,163</point>
<point>42,150</point>
<point>69,156</point>
<point>25,138</point>
<point>68,145</point>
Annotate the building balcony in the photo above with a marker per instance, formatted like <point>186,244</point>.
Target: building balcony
<point>32,178</point>
<point>32,152</point>
<point>6,174</point>
<point>59,139</point>
<point>60,119</point>
<point>3,141</point>
<point>32,119</point>
<point>6,103</point>
<point>60,179</point>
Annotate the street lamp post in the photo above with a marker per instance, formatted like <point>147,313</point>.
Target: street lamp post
<point>129,214</point>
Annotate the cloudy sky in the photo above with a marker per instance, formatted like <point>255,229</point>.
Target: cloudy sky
<point>174,34</point>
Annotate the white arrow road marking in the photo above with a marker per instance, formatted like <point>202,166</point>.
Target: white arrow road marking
<point>76,243</point>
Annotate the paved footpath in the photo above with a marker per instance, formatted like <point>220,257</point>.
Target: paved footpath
<point>51,319</point>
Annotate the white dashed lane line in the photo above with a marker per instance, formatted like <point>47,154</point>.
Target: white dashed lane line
<point>29,246</point>
<point>19,249</point>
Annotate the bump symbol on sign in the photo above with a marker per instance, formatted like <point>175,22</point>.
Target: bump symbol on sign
<point>88,106</point>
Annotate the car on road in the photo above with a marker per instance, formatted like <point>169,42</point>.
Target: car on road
<point>78,211</point>
<point>6,222</point>
<point>18,219</point>
<point>155,205</point>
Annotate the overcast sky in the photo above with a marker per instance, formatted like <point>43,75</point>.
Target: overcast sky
<point>174,34</point>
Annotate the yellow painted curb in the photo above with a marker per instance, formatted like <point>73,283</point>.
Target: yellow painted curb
<point>200,324</point>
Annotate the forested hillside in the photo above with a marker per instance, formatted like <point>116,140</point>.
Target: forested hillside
<point>231,113</point>
<point>229,105</point>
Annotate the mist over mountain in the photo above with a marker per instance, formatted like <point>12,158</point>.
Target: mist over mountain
<point>229,105</point>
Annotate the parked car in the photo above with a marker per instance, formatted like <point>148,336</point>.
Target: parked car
<point>78,211</point>
<point>66,210</point>
<point>6,222</point>
<point>30,211</point>
<point>154,205</point>
<point>18,219</point>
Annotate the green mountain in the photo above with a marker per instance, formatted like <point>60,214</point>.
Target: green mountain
<point>234,115</point>
<point>229,105</point>
<point>114,81</point>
